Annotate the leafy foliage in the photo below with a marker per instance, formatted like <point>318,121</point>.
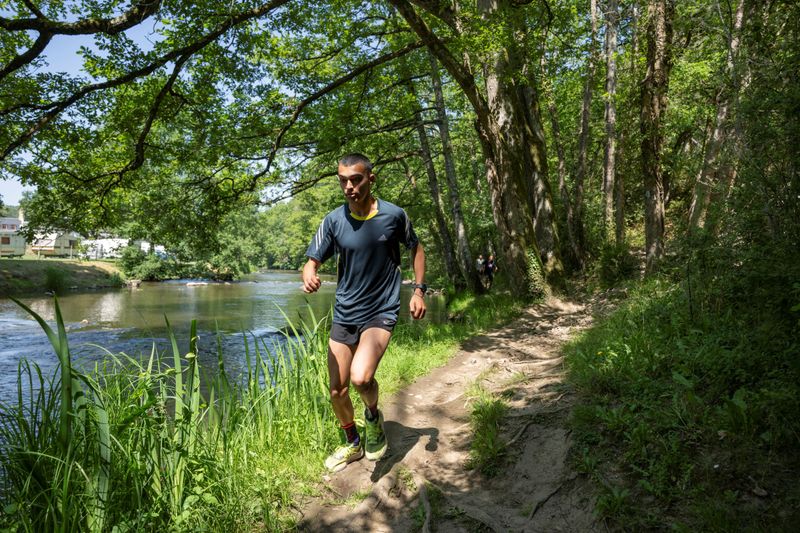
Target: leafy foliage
<point>689,390</point>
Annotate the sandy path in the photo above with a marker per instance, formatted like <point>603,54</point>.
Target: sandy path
<point>429,437</point>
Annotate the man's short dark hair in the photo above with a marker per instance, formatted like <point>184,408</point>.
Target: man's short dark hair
<point>355,158</point>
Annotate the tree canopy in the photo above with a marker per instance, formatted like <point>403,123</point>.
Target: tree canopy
<point>184,114</point>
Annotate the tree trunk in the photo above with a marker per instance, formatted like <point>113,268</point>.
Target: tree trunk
<point>712,165</point>
<point>501,117</point>
<point>654,104</point>
<point>610,162</point>
<point>584,133</point>
<point>453,270</point>
<point>466,263</point>
<point>541,195</point>
<point>622,145</point>
<point>566,201</point>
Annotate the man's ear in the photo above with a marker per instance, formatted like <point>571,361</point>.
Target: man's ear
<point>372,177</point>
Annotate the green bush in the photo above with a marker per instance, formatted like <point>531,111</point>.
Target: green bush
<point>56,280</point>
<point>137,264</point>
<point>615,263</point>
<point>132,257</point>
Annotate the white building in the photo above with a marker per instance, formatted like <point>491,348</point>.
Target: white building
<point>111,248</point>
<point>11,242</point>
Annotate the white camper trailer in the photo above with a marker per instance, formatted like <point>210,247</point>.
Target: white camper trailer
<point>56,244</point>
<point>11,242</point>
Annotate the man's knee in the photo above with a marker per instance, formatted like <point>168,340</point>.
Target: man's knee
<point>362,382</point>
<point>339,392</point>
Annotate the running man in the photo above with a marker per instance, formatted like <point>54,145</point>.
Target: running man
<point>366,233</point>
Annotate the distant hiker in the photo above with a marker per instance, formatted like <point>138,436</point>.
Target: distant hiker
<point>480,264</point>
<point>489,270</point>
<point>366,233</point>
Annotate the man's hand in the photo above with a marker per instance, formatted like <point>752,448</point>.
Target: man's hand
<point>416,306</point>
<point>311,282</point>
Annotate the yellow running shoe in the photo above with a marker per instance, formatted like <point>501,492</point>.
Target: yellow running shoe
<point>343,456</point>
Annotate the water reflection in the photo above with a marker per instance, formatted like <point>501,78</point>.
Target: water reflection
<point>132,320</point>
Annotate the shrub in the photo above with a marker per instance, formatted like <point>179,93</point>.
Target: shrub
<point>132,257</point>
<point>615,263</point>
<point>55,279</point>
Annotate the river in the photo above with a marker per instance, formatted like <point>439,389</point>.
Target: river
<point>132,320</point>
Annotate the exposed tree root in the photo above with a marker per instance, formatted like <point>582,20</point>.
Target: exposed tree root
<point>472,512</point>
<point>541,503</point>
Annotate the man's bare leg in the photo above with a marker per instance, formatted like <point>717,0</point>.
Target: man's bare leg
<point>340,358</point>
<point>368,354</point>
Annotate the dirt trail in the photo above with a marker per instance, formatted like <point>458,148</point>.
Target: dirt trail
<point>429,437</point>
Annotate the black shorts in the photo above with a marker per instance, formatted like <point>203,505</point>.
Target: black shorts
<point>350,334</point>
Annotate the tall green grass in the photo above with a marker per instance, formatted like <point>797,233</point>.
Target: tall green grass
<point>134,445</point>
<point>487,449</point>
<point>137,443</point>
<point>55,279</point>
<point>690,414</point>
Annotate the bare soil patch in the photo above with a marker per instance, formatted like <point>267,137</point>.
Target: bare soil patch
<point>423,485</point>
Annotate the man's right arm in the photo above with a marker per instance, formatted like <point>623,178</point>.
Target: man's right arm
<point>311,281</point>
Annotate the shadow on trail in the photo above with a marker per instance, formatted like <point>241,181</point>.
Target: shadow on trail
<point>402,439</point>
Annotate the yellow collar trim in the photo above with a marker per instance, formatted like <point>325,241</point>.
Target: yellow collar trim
<point>359,217</point>
<point>369,216</point>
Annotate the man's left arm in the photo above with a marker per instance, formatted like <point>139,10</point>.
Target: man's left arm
<point>417,304</point>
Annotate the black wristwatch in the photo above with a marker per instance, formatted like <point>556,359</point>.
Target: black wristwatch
<point>423,287</point>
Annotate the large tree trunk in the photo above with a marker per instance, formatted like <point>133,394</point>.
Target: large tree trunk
<point>610,161</point>
<point>518,140</point>
<point>466,262</point>
<point>566,201</point>
<point>654,104</point>
<point>540,195</point>
<point>714,171</point>
<point>501,117</point>
<point>453,270</point>
<point>583,135</point>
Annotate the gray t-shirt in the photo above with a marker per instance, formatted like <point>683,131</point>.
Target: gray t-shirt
<point>369,260</point>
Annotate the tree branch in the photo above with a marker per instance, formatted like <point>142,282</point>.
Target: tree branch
<point>138,159</point>
<point>457,70</point>
<point>441,9</point>
<point>110,26</point>
<point>35,10</point>
<point>57,107</point>
<point>25,58</point>
<point>322,92</point>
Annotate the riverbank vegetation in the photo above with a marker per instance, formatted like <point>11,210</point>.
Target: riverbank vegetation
<point>154,442</point>
<point>37,276</point>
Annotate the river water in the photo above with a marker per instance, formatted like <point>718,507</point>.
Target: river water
<point>132,320</point>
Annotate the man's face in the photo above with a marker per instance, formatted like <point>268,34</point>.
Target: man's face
<point>355,181</point>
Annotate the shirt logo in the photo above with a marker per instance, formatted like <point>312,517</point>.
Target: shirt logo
<point>382,237</point>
